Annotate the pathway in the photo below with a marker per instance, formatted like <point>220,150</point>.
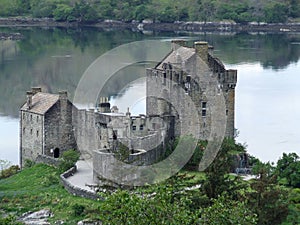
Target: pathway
<point>83,176</point>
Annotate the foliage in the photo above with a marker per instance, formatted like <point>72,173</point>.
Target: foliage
<point>294,207</point>
<point>217,179</point>
<point>125,208</point>
<point>69,158</point>
<point>4,164</point>
<point>28,163</point>
<point>12,170</point>
<point>193,163</point>
<point>9,220</point>
<point>157,10</point>
<point>78,209</point>
<point>268,200</point>
<point>288,169</point>
<point>229,212</point>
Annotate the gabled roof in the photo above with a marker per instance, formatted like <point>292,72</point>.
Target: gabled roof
<point>41,103</point>
<point>182,54</point>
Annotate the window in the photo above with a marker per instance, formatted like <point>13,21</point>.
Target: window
<point>133,127</point>
<point>31,131</point>
<point>203,106</point>
<point>226,112</point>
<point>141,127</point>
<point>165,78</point>
<point>23,130</point>
<point>30,117</point>
<point>37,118</point>
<point>37,133</point>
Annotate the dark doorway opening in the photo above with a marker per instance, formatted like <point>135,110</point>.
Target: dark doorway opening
<point>56,153</point>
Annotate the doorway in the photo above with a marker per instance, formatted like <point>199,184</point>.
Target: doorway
<point>56,153</point>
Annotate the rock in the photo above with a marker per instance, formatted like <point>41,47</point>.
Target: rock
<point>89,222</point>
<point>36,218</point>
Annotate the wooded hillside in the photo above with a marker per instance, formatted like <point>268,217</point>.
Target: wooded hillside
<point>240,11</point>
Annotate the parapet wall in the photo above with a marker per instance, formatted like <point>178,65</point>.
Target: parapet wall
<point>76,190</point>
<point>106,165</point>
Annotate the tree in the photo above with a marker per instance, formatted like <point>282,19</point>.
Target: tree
<point>62,12</point>
<point>288,169</point>
<point>229,212</point>
<point>217,179</point>
<point>276,13</point>
<point>268,200</point>
<point>84,12</point>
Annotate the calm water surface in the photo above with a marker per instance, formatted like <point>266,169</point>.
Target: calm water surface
<point>267,93</point>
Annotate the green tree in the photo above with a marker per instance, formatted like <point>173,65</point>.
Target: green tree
<point>294,208</point>
<point>268,200</point>
<point>84,12</point>
<point>229,212</point>
<point>62,12</point>
<point>217,178</point>
<point>288,169</point>
<point>276,12</point>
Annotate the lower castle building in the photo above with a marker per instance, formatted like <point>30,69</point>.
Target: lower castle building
<point>50,124</point>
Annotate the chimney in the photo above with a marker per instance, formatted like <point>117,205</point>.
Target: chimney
<point>104,105</point>
<point>177,44</point>
<point>36,90</point>
<point>202,50</point>
<point>29,95</point>
<point>63,95</point>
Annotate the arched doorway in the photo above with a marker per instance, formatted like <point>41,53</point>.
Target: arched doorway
<point>56,153</point>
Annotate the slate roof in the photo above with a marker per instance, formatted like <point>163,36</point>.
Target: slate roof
<point>182,53</point>
<point>41,103</point>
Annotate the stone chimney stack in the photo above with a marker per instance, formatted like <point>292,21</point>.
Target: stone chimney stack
<point>36,90</point>
<point>63,100</point>
<point>104,105</point>
<point>177,44</point>
<point>202,50</point>
<point>29,95</point>
<point>63,95</point>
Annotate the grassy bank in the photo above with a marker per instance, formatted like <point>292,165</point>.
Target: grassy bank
<point>38,188</point>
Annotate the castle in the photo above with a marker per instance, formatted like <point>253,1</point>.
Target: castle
<point>50,124</point>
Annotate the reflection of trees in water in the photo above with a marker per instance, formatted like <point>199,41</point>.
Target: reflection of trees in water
<point>116,84</point>
<point>275,51</point>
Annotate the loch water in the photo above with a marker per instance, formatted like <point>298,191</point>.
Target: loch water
<point>267,93</point>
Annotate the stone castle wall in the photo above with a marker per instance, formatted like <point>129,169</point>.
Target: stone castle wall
<point>31,136</point>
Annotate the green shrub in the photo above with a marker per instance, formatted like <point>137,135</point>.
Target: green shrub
<point>29,163</point>
<point>78,209</point>
<point>10,171</point>
<point>69,158</point>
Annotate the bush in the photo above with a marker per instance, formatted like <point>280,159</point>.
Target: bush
<point>10,171</point>
<point>29,163</point>
<point>69,158</point>
<point>78,209</point>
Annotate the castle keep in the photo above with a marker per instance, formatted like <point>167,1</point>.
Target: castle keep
<point>50,124</point>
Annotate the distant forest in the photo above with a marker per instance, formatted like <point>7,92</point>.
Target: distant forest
<point>240,11</point>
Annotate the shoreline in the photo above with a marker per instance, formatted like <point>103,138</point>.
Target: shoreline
<point>227,27</point>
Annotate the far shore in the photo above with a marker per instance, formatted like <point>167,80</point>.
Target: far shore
<point>148,25</point>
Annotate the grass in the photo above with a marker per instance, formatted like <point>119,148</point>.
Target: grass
<point>34,188</point>
<point>38,188</point>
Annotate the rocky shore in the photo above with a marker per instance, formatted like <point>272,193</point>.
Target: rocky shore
<point>147,25</point>
<point>10,36</point>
